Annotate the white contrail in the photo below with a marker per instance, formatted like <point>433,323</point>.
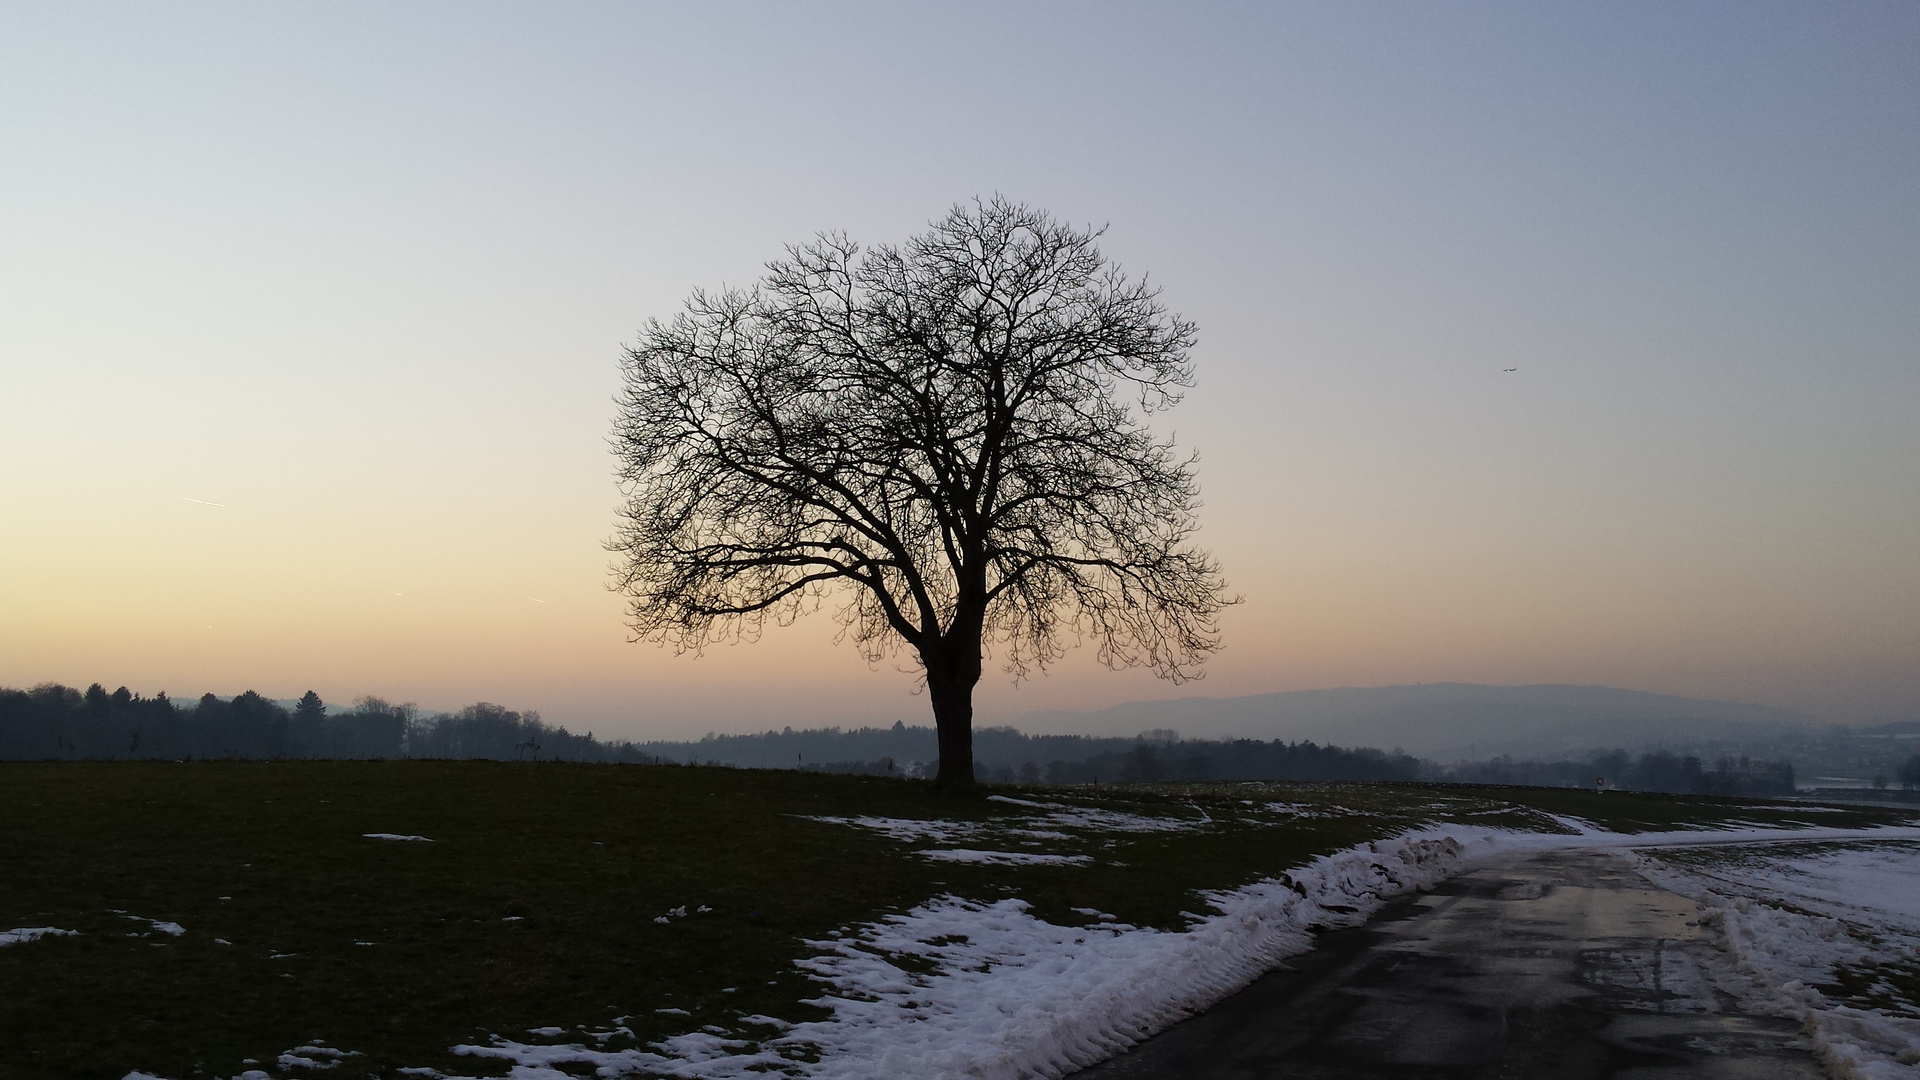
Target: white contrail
<point>536,600</point>
<point>202,502</point>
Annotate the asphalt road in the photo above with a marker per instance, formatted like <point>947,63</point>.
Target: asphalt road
<point>1561,967</point>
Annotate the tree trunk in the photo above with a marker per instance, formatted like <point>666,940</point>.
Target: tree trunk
<point>953,720</point>
<point>953,669</point>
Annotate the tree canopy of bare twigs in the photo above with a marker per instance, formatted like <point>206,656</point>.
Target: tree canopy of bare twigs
<point>947,438</point>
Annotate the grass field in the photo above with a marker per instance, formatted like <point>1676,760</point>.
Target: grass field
<point>546,894</point>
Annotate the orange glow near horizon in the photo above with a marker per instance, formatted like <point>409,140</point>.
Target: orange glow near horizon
<point>311,335</point>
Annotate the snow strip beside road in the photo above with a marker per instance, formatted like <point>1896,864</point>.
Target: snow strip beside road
<point>1010,995</point>
<point>957,988</point>
<point>985,991</point>
<point>1795,920</point>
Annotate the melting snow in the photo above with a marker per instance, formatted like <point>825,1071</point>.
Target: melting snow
<point>171,929</point>
<point>985,990</point>
<point>313,1057</point>
<point>910,830</point>
<point>1317,810</point>
<point>1047,825</point>
<point>1004,858</point>
<point>961,988</point>
<point>1094,818</point>
<point>1793,920</point>
<point>22,934</point>
<point>967,989</point>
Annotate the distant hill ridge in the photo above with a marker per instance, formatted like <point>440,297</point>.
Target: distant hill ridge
<point>1448,721</point>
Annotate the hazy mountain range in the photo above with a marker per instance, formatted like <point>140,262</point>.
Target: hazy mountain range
<point>1452,721</point>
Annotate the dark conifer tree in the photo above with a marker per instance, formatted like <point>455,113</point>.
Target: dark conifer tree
<point>310,707</point>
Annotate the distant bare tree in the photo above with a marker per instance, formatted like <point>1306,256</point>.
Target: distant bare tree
<point>954,431</point>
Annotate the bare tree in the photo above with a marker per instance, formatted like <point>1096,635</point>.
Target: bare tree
<point>949,436</point>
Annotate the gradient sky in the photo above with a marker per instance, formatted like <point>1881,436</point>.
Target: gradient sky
<point>359,274</point>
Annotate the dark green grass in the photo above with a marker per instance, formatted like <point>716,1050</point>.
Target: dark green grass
<point>534,904</point>
<point>1639,812</point>
<point>1892,984</point>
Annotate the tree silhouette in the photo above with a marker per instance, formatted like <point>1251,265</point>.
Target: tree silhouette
<point>310,708</point>
<point>952,432</point>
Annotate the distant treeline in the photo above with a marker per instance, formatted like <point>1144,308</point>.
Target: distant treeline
<point>1658,771</point>
<point>54,721</point>
<point>1241,759</point>
<point>59,722</point>
<point>1005,755</point>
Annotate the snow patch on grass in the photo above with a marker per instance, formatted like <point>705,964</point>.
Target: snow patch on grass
<point>171,929</point>
<point>960,988</point>
<point>1049,823</point>
<point>1004,858</point>
<point>395,836</point>
<point>20,935</point>
<point>315,1056</point>
<point>1314,810</point>
<point>255,1074</point>
<point>1096,819</point>
<point>1802,920</point>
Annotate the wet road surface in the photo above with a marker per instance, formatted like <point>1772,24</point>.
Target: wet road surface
<point>1566,965</point>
